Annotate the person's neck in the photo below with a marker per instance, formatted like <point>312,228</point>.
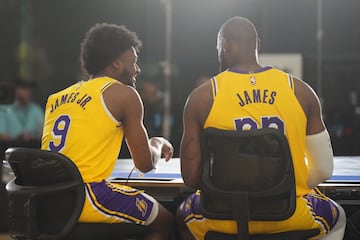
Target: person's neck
<point>104,74</point>
<point>247,66</point>
<point>107,73</point>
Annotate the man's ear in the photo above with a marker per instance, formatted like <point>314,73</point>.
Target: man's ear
<point>230,46</point>
<point>118,64</point>
<point>258,42</point>
<point>226,45</point>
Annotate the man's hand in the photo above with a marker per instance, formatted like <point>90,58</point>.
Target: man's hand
<point>160,147</point>
<point>167,150</point>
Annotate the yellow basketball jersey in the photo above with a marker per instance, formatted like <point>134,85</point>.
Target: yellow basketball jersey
<point>78,125</point>
<point>261,99</point>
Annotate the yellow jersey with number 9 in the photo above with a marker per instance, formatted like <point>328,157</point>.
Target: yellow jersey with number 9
<point>261,99</point>
<point>78,125</point>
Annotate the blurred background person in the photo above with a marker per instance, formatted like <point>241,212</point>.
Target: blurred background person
<point>152,97</point>
<point>20,126</point>
<point>23,119</point>
<point>153,107</point>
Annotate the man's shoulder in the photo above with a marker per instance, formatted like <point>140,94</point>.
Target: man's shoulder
<point>9,111</point>
<point>202,91</point>
<point>121,100</point>
<point>120,90</point>
<point>200,101</point>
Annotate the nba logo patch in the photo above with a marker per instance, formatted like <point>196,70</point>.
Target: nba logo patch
<point>252,80</point>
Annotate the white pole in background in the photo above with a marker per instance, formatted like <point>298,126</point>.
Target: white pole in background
<point>166,127</point>
<point>319,37</point>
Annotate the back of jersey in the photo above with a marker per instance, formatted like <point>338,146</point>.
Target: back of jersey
<point>78,125</point>
<point>261,99</point>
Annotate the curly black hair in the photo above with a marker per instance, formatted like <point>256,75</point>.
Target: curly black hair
<point>103,43</point>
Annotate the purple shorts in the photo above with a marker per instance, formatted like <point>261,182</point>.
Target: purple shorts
<point>313,210</point>
<point>114,203</point>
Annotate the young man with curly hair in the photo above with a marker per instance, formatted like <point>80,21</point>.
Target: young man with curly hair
<point>88,120</point>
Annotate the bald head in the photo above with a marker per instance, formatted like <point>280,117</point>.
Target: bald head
<point>237,42</point>
<point>238,29</point>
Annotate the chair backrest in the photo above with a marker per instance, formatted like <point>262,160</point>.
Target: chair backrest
<point>46,196</point>
<point>249,171</point>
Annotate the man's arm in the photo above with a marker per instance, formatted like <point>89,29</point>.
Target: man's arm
<point>196,111</point>
<point>125,105</point>
<point>318,152</point>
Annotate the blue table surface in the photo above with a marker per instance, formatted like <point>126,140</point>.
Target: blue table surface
<point>346,169</point>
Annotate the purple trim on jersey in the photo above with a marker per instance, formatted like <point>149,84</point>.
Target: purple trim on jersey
<point>249,72</point>
<point>122,201</point>
<point>191,206</point>
<point>324,209</point>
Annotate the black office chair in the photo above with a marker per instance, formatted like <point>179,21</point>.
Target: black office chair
<point>46,198</point>
<point>248,175</point>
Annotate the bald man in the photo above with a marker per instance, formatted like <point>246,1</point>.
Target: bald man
<point>246,95</point>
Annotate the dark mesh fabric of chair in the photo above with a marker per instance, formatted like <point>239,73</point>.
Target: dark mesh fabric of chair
<point>46,198</point>
<point>248,175</point>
